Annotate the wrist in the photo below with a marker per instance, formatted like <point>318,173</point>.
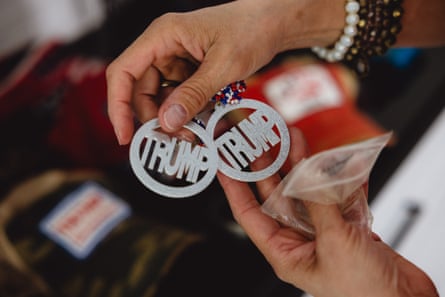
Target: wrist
<point>313,23</point>
<point>294,24</point>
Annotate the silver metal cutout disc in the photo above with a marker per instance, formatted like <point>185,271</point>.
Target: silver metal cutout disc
<point>147,132</point>
<point>272,115</point>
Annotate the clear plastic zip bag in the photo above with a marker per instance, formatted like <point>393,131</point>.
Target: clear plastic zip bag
<point>336,176</point>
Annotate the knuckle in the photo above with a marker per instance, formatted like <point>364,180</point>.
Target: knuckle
<point>169,20</point>
<point>110,70</point>
<point>195,97</point>
<point>281,272</point>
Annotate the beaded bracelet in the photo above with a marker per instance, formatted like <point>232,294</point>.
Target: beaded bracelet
<point>346,40</point>
<point>379,22</point>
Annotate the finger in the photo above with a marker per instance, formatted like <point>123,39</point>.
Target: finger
<point>266,186</point>
<point>192,95</point>
<point>297,151</point>
<point>324,217</point>
<point>299,148</point>
<point>119,106</point>
<point>175,68</point>
<point>375,236</point>
<point>149,92</point>
<point>121,76</point>
<point>247,211</point>
<point>144,95</point>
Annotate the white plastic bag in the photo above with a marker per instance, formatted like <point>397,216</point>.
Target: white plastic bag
<point>337,176</point>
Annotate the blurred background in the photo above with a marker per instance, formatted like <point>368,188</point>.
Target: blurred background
<point>56,138</point>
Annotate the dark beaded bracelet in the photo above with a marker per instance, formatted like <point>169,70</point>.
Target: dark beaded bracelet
<point>379,25</point>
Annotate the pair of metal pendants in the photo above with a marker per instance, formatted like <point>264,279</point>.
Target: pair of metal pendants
<point>179,168</point>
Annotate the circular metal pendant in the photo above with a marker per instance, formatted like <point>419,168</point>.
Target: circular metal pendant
<point>249,140</point>
<point>156,158</point>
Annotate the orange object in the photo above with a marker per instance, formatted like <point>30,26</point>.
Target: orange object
<point>317,98</point>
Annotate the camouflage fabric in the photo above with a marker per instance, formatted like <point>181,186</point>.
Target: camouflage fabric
<point>129,261</point>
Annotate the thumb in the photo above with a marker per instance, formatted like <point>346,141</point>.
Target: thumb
<point>324,216</point>
<point>187,100</point>
<point>191,96</point>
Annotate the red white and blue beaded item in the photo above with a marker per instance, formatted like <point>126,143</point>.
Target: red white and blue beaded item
<point>230,94</point>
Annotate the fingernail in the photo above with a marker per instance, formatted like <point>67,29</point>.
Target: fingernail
<point>116,132</point>
<point>175,116</point>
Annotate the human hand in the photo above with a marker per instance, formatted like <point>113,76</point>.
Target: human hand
<point>344,260</point>
<point>207,49</point>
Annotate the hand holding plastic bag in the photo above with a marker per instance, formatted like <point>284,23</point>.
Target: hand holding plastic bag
<point>337,176</point>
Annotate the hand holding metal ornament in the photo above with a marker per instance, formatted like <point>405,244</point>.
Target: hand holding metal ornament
<point>193,166</point>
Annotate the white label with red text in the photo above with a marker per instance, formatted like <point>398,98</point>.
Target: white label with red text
<point>83,219</point>
<point>300,92</point>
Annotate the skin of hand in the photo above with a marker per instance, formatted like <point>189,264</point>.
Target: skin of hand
<point>207,49</point>
<point>344,260</point>
<point>422,24</point>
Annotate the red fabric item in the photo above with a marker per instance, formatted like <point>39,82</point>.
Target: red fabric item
<point>73,89</point>
<point>83,130</point>
<point>25,87</point>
